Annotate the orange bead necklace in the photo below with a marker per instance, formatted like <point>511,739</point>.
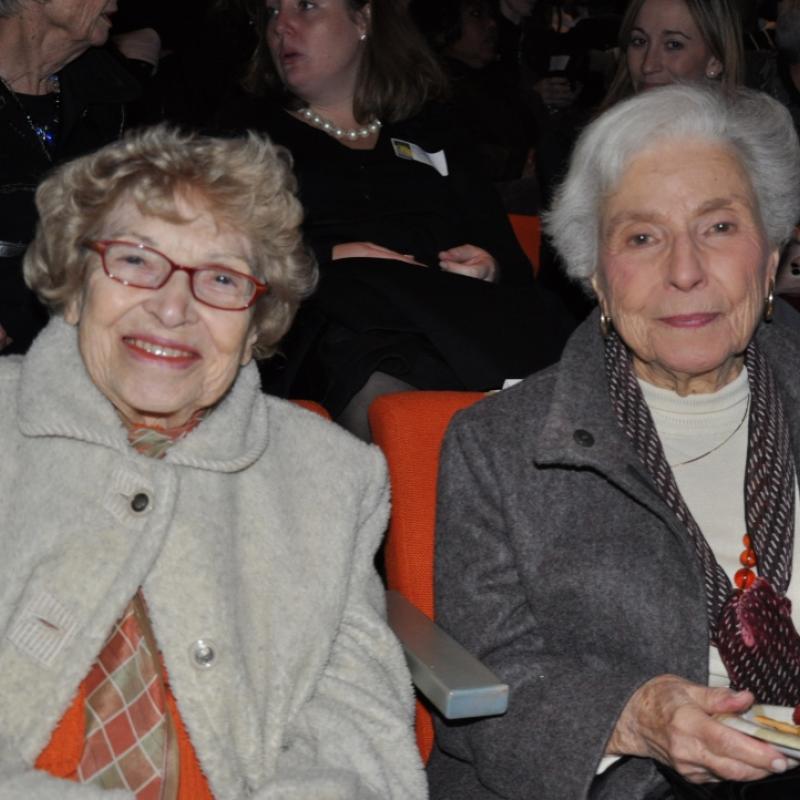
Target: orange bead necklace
<point>745,576</point>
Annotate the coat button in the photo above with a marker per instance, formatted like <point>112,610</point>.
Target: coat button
<point>203,654</point>
<point>583,438</point>
<point>140,502</point>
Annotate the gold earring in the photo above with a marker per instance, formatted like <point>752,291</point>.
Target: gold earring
<point>769,302</point>
<point>605,324</point>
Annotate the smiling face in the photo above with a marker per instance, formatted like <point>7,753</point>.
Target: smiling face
<point>84,22</point>
<point>684,264</point>
<point>316,47</point>
<point>666,45</point>
<point>160,355</point>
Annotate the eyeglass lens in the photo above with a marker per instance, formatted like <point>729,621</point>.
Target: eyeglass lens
<point>148,269</point>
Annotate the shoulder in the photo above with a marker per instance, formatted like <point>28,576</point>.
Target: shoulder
<point>323,450</point>
<point>99,76</point>
<point>511,414</point>
<point>10,369</point>
<point>263,115</point>
<point>431,128</point>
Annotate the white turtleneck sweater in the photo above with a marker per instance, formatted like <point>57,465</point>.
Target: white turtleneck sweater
<point>713,486</point>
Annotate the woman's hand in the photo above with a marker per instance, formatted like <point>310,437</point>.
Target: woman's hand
<point>555,91</point>
<point>5,339</point>
<point>670,719</point>
<point>469,260</point>
<point>370,250</point>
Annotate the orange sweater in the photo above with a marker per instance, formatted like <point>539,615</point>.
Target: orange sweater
<point>63,753</point>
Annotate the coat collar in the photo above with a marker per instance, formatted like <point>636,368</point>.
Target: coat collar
<point>581,430</point>
<point>56,397</point>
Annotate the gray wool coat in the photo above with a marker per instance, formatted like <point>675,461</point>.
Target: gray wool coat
<point>257,537</point>
<point>558,564</point>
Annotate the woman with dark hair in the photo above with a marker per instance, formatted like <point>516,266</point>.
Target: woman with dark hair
<point>414,247</point>
<point>664,41</point>
<point>486,94</point>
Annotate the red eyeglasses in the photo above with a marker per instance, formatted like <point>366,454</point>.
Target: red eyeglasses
<point>143,267</point>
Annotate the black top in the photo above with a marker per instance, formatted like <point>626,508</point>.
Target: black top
<point>431,328</point>
<point>375,196</point>
<point>94,89</point>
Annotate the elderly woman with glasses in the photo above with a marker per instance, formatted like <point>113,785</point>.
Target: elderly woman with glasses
<point>617,535</point>
<point>188,604</point>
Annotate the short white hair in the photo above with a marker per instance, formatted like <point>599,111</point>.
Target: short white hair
<point>756,128</point>
<point>8,8</point>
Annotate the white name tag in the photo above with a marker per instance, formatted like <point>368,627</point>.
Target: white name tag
<point>413,152</point>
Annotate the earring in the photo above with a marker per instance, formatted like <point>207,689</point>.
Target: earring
<point>605,324</point>
<point>769,302</point>
<point>362,38</point>
<point>711,74</point>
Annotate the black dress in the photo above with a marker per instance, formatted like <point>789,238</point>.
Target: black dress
<point>430,328</point>
<point>94,90</point>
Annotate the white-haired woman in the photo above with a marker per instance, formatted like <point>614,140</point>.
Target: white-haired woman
<point>615,535</point>
<point>188,603</point>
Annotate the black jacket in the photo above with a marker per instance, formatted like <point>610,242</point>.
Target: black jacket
<point>94,90</point>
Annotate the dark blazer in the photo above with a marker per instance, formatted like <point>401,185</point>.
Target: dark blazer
<point>559,566</point>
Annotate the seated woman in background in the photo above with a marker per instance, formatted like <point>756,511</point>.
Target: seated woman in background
<point>423,284</point>
<point>187,572</point>
<point>486,96</point>
<point>615,535</point>
<point>664,41</point>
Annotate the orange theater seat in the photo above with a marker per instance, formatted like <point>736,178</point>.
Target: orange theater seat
<point>528,230</point>
<point>409,428</point>
<point>311,405</point>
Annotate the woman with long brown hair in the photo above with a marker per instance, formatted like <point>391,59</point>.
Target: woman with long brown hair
<point>668,41</point>
<point>414,247</point>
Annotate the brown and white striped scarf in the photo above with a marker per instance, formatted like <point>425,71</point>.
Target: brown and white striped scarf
<point>752,629</point>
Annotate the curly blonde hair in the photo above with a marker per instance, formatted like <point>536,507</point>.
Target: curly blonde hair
<point>246,184</point>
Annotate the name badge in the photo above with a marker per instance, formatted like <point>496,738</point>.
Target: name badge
<point>413,152</point>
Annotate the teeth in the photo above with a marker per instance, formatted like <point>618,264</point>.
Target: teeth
<point>160,350</point>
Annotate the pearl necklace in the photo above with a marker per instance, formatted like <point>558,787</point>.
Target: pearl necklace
<point>332,129</point>
<point>45,133</point>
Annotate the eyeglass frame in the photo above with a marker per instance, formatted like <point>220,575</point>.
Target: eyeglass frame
<point>100,246</point>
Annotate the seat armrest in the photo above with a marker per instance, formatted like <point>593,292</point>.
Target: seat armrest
<point>453,680</point>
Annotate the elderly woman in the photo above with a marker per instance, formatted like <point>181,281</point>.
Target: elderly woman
<point>61,95</point>
<point>664,41</point>
<point>615,535</point>
<point>188,605</point>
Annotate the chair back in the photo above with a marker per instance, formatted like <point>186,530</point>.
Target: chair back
<point>409,428</point>
<point>528,230</point>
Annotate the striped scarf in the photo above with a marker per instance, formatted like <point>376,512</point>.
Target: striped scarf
<point>752,629</point>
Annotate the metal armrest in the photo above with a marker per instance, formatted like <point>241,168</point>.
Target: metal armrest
<point>453,680</point>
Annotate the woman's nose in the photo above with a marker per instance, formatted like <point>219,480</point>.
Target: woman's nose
<point>685,266</point>
<point>173,304</point>
<point>652,61</point>
<point>281,22</point>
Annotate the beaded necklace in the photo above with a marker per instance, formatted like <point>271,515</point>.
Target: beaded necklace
<point>745,577</point>
<point>45,132</point>
<point>332,129</point>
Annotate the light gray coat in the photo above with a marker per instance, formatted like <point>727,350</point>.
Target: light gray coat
<point>258,537</point>
<point>559,565</point>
